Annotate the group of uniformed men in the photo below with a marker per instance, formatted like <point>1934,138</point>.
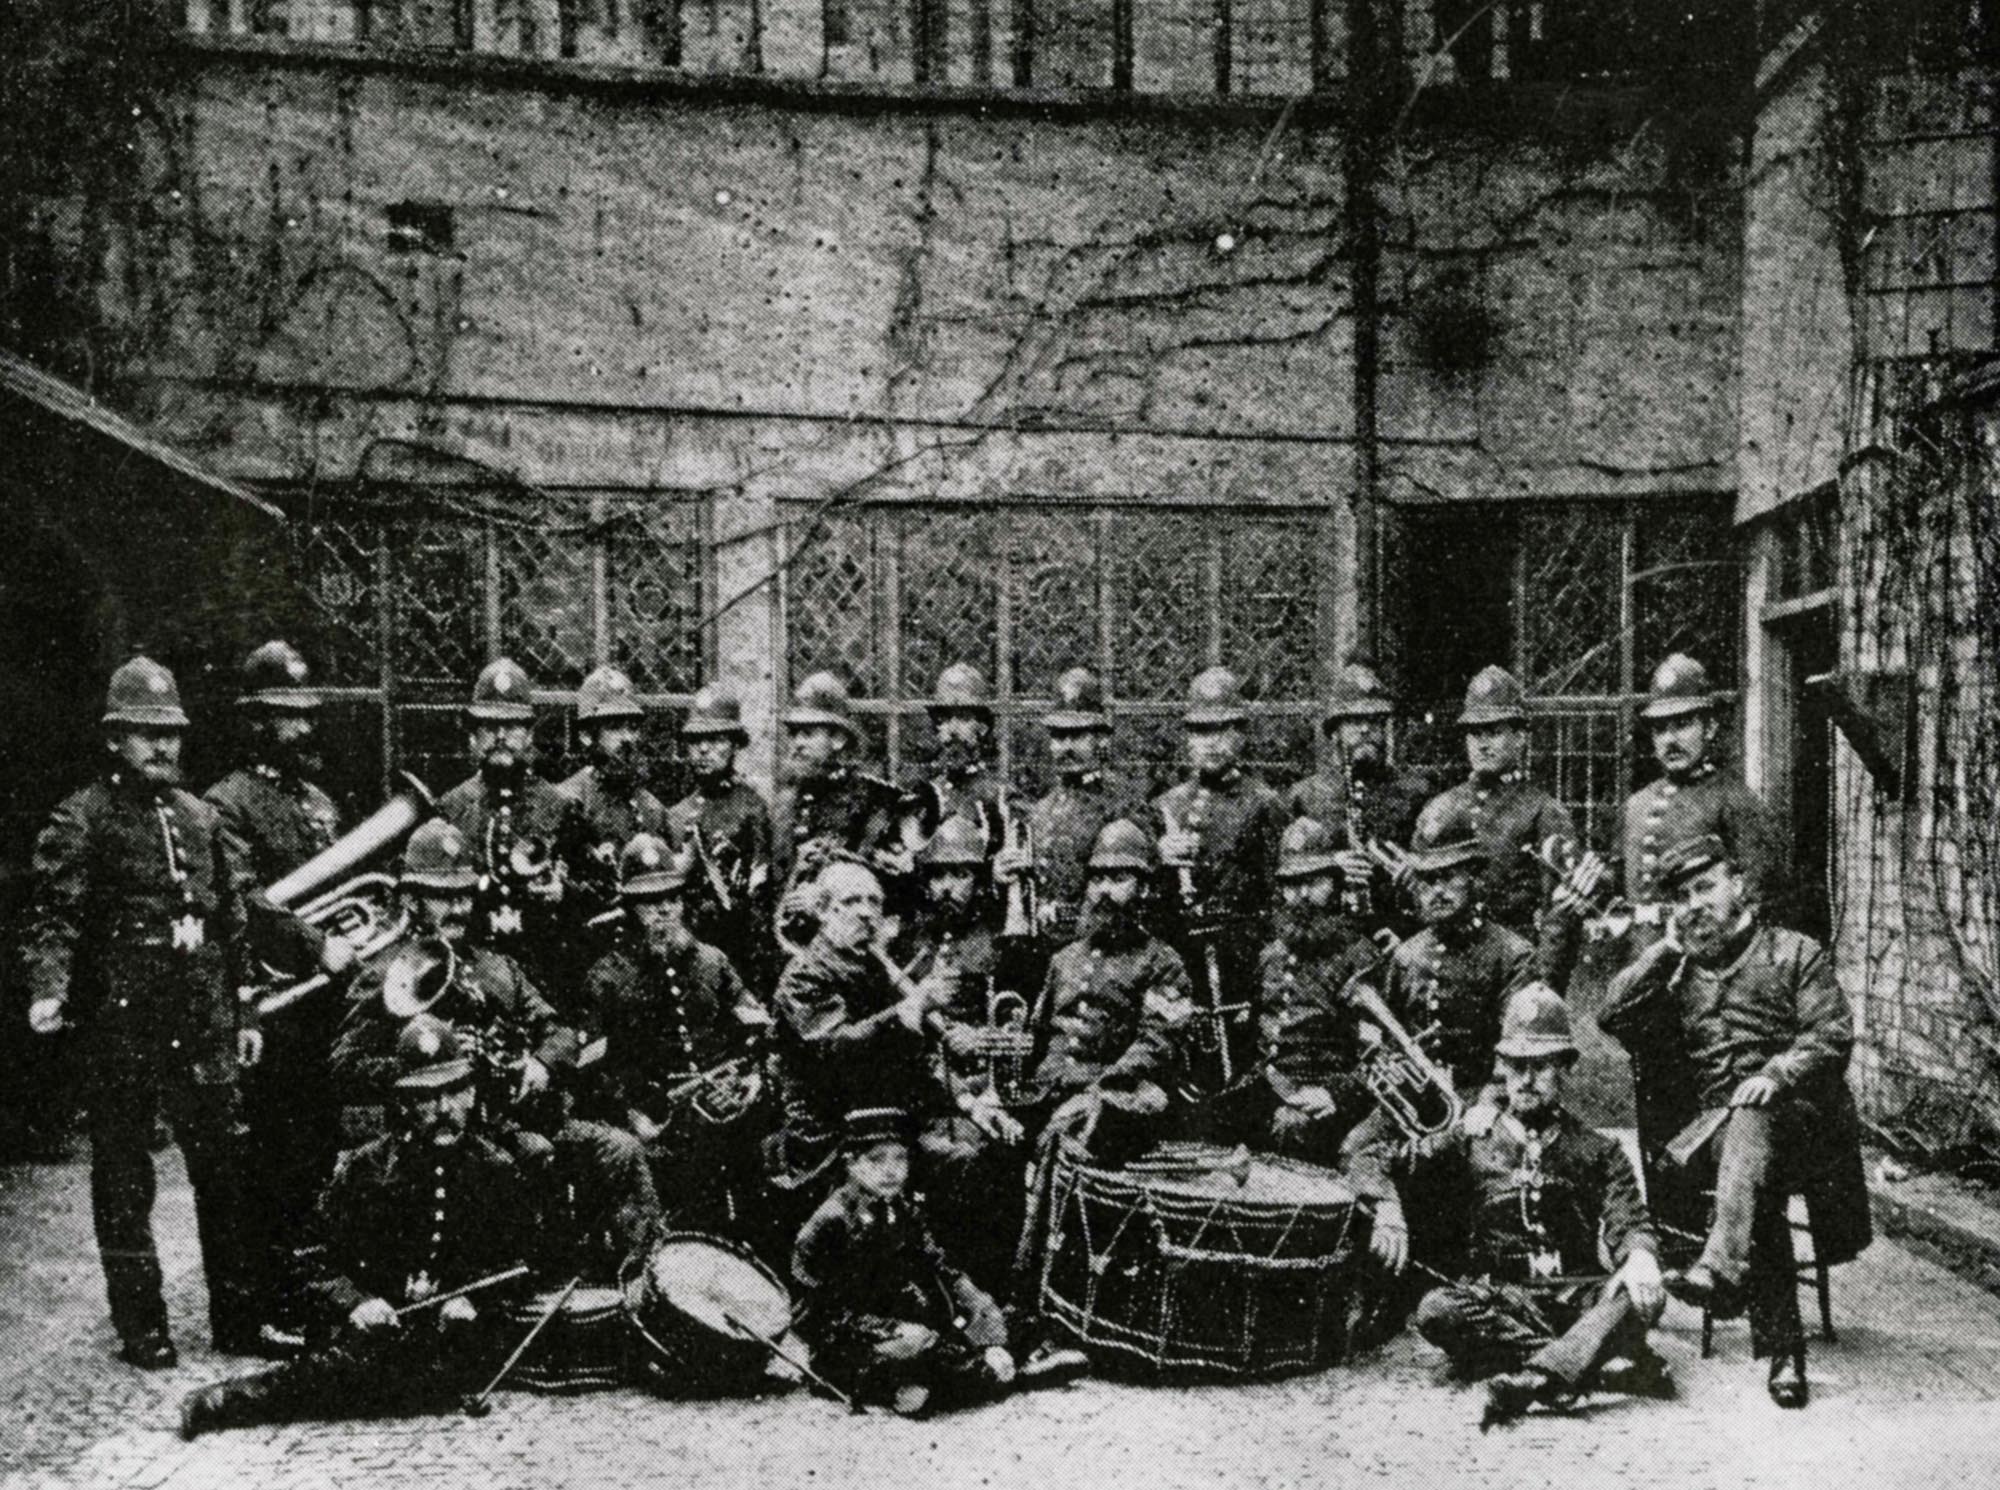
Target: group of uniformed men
<point>844,1031</point>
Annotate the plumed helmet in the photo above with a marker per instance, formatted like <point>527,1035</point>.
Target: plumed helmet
<point>1494,696</point>
<point>1358,694</point>
<point>1079,702</point>
<point>607,694</point>
<point>962,688</point>
<point>437,857</point>
<point>649,869</point>
<point>1306,849</point>
<point>1680,686</point>
<point>274,678</point>
<point>502,694</point>
<point>822,699</point>
<point>958,843</point>
<point>1536,1023</point>
<point>715,711</point>
<point>1123,844</point>
<point>431,1056</point>
<point>144,693</point>
<point>1215,698</point>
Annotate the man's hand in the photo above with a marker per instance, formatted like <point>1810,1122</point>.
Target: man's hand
<point>1389,1237</point>
<point>534,1078</point>
<point>45,1016</point>
<point>457,1311</point>
<point>249,1048</point>
<point>999,1364</point>
<point>1179,848</point>
<point>336,955</point>
<point>1313,1101</point>
<point>643,1128</point>
<point>1355,866</point>
<point>1479,1119</point>
<point>990,1118</point>
<point>372,1314</point>
<point>1754,1091</point>
<point>1640,1278</point>
<point>1575,891</point>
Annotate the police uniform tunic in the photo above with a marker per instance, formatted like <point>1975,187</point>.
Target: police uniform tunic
<point>1385,805</point>
<point>846,808</point>
<point>605,821</point>
<point>1666,813</point>
<point>1064,826</point>
<point>1510,818</point>
<point>134,929</point>
<point>734,825</point>
<point>1107,1016</point>
<point>492,822</point>
<point>1449,991</point>
<point>1307,1038</point>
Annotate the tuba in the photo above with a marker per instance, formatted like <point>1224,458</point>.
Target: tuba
<point>1413,1092</point>
<point>324,893</point>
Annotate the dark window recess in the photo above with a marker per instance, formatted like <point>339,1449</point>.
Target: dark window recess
<point>419,228</point>
<point>834,18</point>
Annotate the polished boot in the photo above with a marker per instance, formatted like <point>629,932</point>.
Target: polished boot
<point>1645,1374</point>
<point>1707,1289</point>
<point>1512,1393</point>
<point>149,1353</point>
<point>1788,1378</point>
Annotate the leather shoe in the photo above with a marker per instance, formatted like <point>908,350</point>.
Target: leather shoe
<point>1645,1374</point>
<point>1706,1289</point>
<point>261,1341</point>
<point>911,1400</point>
<point>149,1353</point>
<point>202,1411</point>
<point>1788,1379</point>
<point>1511,1394</point>
<point>1050,1367</point>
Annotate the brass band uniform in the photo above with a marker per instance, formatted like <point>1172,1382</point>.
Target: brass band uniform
<point>609,801</point>
<point>730,895</point>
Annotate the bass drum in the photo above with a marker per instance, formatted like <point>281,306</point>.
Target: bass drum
<point>703,1307</point>
<point>585,1347</point>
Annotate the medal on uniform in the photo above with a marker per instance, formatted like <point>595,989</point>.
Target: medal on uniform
<point>506,921</point>
<point>420,1288</point>
<point>1543,1263</point>
<point>189,933</point>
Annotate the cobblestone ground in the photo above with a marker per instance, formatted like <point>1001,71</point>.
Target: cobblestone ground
<point>1907,1397</point>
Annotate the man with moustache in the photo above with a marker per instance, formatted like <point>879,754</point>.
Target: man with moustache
<point>728,898</point>
<point>961,781</point>
<point>1364,800</point>
<point>830,805</point>
<point>422,1211</point>
<point>504,806</point>
<point>669,1008</point>
<point>598,1202</point>
<point>132,941</point>
<point>1752,1017</point>
<point>608,799</point>
<point>275,819</point>
<point>1312,1093</point>
<point>1218,834</point>
<point>1062,826</point>
<point>1514,820</point>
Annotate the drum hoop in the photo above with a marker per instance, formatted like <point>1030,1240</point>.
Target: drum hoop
<point>640,1267</point>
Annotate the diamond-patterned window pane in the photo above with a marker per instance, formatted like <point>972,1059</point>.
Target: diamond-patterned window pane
<point>437,576</point>
<point>656,596</point>
<point>545,602</point>
<point>1571,559</point>
<point>1270,605</point>
<point>1160,596</point>
<point>950,602</point>
<point>830,603</point>
<point>334,565</point>
<point>1578,754</point>
<point>1688,598</point>
<point>1052,569</point>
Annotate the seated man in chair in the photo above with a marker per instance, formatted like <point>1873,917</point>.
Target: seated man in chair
<point>1750,1017</point>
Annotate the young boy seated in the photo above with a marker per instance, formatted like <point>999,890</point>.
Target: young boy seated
<point>1533,1309</point>
<point>889,1318</point>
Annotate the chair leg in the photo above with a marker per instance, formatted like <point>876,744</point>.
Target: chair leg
<point>1707,1334</point>
<point>1823,1283</point>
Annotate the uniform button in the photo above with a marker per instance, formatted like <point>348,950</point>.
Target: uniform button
<point>440,1192</point>
<point>124,1003</point>
<point>175,1044</point>
<point>437,1236</point>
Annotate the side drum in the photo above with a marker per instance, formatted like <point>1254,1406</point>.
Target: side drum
<point>585,1347</point>
<point>1190,1265</point>
<point>703,1307</point>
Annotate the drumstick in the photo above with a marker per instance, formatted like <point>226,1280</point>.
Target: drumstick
<point>490,1281</point>
<point>479,1406</point>
<point>790,1360</point>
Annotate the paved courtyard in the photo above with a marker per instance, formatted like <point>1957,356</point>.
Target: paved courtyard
<point>1909,1396</point>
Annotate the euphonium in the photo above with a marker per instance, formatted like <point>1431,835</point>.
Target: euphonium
<point>1412,1091</point>
<point>359,907</point>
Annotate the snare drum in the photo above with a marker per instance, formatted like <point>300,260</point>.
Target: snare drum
<point>585,1347</point>
<point>702,1307</point>
<point>1173,1268</point>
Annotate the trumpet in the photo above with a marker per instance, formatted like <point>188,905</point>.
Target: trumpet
<point>1606,915</point>
<point>1006,1047</point>
<point>359,909</point>
<point>1413,1092</point>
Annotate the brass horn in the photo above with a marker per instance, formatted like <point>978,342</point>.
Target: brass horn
<point>1412,1090</point>
<point>417,977</point>
<point>1607,916</point>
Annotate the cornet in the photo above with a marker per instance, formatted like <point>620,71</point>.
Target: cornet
<point>1607,915</point>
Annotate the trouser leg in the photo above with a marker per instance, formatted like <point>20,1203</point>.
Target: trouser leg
<point>1483,1329</point>
<point>1610,1326</point>
<point>1776,1327</point>
<point>203,1118</point>
<point>1742,1178</point>
<point>121,1202</point>
<point>394,1374</point>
